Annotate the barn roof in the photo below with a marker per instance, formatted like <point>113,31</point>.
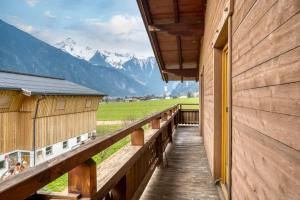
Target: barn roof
<point>42,85</point>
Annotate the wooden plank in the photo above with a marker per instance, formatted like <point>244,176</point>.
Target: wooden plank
<point>241,9</point>
<point>283,99</point>
<point>268,168</point>
<point>283,39</point>
<point>283,128</point>
<point>284,9</point>
<point>280,70</point>
<point>53,195</point>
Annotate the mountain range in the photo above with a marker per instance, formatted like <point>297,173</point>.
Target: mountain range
<point>112,73</point>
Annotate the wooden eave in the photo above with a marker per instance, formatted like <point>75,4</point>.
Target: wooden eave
<point>175,29</point>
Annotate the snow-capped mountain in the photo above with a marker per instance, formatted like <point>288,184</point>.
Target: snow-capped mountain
<point>115,59</point>
<point>143,70</point>
<point>71,47</point>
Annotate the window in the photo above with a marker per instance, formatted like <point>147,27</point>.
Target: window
<point>39,155</point>
<point>49,151</point>
<point>60,104</point>
<point>5,101</point>
<point>90,135</point>
<point>65,144</point>
<point>78,139</point>
<point>2,164</point>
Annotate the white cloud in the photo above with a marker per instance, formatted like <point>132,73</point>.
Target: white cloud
<point>25,27</point>
<point>120,33</point>
<point>49,14</point>
<point>32,3</point>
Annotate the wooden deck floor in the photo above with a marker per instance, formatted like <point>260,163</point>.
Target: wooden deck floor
<point>187,175</point>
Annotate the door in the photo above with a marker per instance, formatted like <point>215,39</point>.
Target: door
<point>224,143</point>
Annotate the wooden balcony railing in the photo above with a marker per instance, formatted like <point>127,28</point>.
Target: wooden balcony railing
<point>122,176</point>
<point>188,114</point>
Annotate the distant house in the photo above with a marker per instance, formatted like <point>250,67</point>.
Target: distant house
<point>41,117</point>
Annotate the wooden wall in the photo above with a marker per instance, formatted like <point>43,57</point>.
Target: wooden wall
<point>265,96</point>
<point>59,118</point>
<point>266,99</point>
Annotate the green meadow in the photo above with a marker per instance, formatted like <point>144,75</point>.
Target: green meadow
<point>136,110</point>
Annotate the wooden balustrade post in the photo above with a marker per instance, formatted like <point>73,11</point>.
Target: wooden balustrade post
<point>164,117</point>
<point>155,124</point>
<point>170,113</point>
<point>159,149</point>
<point>83,179</point>
<point>119,191</point>
<point>170,131</point>
<point>137,137</point>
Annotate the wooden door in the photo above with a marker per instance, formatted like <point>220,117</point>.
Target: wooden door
<point>224,148</point>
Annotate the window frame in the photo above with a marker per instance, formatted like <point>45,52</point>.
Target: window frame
<point>67,144</point>
<point>47,151</point>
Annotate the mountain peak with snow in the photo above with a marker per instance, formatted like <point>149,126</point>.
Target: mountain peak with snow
<point>72,47</point>
<point>115,59</point>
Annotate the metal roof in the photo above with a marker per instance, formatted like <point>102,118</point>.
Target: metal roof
<point>42,85</point>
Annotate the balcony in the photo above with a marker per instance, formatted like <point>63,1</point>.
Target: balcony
<point>166,150</point>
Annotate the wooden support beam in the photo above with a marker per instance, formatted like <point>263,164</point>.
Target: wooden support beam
<point>190,72</point>
<point>137,137</point>
<point>83,179</point>
<point>179,29</point>
<point>155,124</point>
<point>176,11</point>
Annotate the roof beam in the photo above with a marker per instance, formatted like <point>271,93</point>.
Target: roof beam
<point>192,72</point>
<point>178,39</point>
<point>147,17</point>
<point>179,29</point>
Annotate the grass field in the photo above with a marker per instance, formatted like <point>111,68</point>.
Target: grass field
<point>136,110</point>
<point>118,111</point>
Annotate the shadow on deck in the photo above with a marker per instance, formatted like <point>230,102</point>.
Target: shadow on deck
<point>187,175</point>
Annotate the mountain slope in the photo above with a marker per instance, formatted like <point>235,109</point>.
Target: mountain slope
<point>143,70</point>
<point>22,52</point>
<point>185,88</point>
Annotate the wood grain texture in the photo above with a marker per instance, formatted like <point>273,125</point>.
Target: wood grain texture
<point>262,164</point>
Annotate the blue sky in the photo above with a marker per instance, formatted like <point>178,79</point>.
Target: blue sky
<point>113,25</point>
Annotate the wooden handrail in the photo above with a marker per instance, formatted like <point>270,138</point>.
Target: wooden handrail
<point>31,180</point>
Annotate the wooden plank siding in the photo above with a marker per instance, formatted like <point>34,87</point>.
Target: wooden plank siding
<point>76,116</point>
<point>265,96</point>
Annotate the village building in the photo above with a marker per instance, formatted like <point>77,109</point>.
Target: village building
<point>42,117</point>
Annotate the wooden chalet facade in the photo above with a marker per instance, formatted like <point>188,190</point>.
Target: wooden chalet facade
<point>42,116</point>
<point>246,56</point>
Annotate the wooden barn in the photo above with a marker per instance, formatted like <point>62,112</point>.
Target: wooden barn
<point>241,142</point>
<point>42,116</point>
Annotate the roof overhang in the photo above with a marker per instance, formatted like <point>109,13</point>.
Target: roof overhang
<point>175,29</point>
